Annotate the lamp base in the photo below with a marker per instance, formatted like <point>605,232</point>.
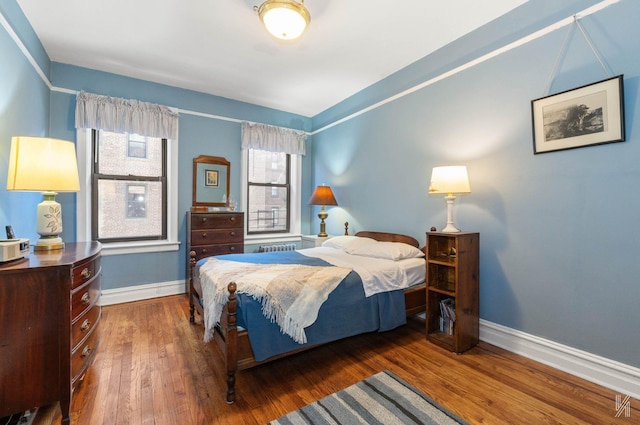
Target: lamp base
<point>323,227</point>
<point>450,228</point>
<point>49,223</point>
<point>48,243</point>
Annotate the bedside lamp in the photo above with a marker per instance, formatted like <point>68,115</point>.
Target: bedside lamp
<point>48,166</point>
<point>322,196</point>
<point>449,180</point>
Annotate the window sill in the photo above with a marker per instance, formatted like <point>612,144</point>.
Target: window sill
<point>273,238</point>
<point>140,247</point>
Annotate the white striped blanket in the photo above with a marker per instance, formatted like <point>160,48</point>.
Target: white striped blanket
<point>291,294</point>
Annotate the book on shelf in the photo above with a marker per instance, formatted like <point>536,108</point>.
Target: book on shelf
<point>447,315</point>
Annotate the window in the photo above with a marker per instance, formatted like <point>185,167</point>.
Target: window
<point>129,187</point>
<point>268,192</point>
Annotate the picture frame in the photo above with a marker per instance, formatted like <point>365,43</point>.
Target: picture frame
<point>211,178</point>
<point>585,116</point>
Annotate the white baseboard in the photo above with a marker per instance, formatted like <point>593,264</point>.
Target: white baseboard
<point>142,292</point>
<point>600,370</point>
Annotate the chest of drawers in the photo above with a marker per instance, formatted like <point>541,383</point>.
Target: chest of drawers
<point>49,314</point>
<point>215,233</point>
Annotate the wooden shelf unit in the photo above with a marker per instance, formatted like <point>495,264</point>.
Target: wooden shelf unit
<point>453,272</point>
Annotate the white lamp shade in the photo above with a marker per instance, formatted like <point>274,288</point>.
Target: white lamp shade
<point>449,180</point>
<point>42,164</point>
<point>284,19</point>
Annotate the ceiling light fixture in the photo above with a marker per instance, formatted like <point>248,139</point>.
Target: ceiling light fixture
<point>284,19</point>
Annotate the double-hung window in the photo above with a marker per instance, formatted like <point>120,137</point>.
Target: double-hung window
<point>129,187</point>
<point>268,192</point>
<point>271,159</point>
<point>127,161</point>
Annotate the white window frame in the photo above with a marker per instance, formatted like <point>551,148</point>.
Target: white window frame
<point>294,204</point>
<point>83,202</point>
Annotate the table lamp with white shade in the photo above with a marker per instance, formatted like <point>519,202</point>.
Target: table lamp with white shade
<point>49,166</point>
<point>449,180</point>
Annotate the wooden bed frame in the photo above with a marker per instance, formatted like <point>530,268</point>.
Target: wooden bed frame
<point>234,343</point>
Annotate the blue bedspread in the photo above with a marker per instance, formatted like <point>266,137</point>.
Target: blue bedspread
<point>346,312</point>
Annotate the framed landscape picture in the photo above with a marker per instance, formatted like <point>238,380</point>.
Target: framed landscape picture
<point>211,178</point>
<point>584,116</point>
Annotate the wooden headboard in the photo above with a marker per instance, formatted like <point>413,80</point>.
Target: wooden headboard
<point>390,237</point>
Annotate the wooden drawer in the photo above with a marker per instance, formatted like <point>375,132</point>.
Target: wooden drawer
<point>84,272</point>
<point>216,220</point>
<point>216,236</point>
<point>83,354</point>
<point>84,325</point>
<point>84,297</point>
<point>209,250</point>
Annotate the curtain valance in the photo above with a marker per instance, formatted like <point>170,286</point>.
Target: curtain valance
<point>272,139</point>
<point>125,116</point>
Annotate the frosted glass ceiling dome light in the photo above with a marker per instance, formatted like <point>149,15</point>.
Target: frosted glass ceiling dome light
<point>449,180</point>
<point>284,19</point>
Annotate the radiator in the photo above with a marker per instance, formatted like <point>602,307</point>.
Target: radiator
<point>277,247</point>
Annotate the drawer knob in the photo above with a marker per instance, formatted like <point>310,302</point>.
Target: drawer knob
<point>86,273</point>
<point>204,236</point>
<point>85,352</point>
<point>85,325</point>
<point>204,219</point>
<point>85,298</point>
<point>232,219</point>
<point>232,248</point>
<point>232,233</point>
<point>204,250</point>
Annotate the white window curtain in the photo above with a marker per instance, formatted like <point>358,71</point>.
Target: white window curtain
<point>272,139</point>
<point>125,116</point>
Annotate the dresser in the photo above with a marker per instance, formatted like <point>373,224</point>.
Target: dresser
<point>49,314</point>
<point>214,233</point>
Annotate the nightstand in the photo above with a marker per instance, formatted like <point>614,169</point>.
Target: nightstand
<point>312,241</point>
<point>453,298</point>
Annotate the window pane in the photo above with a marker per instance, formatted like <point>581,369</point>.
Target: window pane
<point>267,167</point>
<point>129,209</point>
<point>129,154</point>
<point>136,201</point>
<point>267,209</point>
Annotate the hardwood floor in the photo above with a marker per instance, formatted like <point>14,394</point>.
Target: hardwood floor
<point>153,368</point>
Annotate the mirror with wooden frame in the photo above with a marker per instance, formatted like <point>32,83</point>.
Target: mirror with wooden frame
<point>210,181</point>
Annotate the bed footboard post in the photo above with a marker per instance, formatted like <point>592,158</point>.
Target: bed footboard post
<point>231,343</point>
<point>192,266</point>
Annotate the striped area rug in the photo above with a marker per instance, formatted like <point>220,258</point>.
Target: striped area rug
<point>382,399</point>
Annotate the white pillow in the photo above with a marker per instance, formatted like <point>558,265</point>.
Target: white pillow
<point>343,242</point>
<point>386,250</point>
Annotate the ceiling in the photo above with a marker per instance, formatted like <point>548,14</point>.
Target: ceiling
<point>220,47</point>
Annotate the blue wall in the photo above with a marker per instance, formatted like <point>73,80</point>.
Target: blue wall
<point>24,111</point>
<point>559,231</point>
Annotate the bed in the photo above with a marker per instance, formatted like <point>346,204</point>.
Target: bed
<point>246,338</point>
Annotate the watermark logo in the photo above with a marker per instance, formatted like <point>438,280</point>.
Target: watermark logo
<point>623,406</point>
